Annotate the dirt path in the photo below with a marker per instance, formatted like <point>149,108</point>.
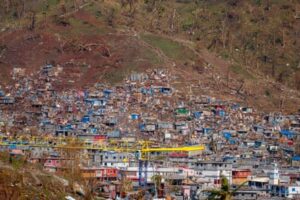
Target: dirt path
<point>159,52</point>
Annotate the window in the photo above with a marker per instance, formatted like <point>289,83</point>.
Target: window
<point>293,189</point>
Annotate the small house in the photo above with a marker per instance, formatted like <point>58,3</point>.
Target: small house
<point>134,116</point>
<point>166,90</point>
<point>165,125</point>
<point>182,112</point>
<point>287,133</point>
<point>7,100</point>
<point>247,110</point>
<point>258,183</point>
<point>240,176</point>
<point>296,161</point>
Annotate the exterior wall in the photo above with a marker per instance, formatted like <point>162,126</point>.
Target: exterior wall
<point>239,177</point>
<point>214,176</point>
<point>293,190</point>
<point>88,174</point>
<point>238,181</point>
<point>107,172</point>
<point>245,196</point>
<point>100,173</point>
<point>53,163</point>
<point>296,163</point>
<point>213,166</point>
<point>49,169</point>
<point>259,185</point>
<point>284,191</point>
<point>115,159</point>
<point>133,173</point>
<point>213,170</point>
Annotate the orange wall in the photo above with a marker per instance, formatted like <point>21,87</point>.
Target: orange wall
<point>240,176</point>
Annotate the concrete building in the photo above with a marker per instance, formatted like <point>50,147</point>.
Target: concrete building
<point>213,170</point>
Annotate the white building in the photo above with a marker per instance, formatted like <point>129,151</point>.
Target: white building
<point>287,191</point>
<point>212,170</point>
<point>132,173</point>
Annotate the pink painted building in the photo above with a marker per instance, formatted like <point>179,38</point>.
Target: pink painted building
<point>54,164</point>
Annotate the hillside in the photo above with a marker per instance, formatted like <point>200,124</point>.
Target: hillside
<point>241,50</point>
<point>22,180</point>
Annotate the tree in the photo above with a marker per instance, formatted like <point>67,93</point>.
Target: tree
<point>225,192</point>
<point>32,18</point>
<point>73,160</point>
<point>110,18</point>
<point>131,4</point>
<point>297,79</point>
<point>7,5</point>
<point>62,6</point>
<point>150,4</point>
<point>126,186</point>
<point>156,179</point>
<point>213,145</point>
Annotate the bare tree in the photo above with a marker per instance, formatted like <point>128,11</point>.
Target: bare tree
<point>110,18</point>
<point>32,18</point>
<point>173,20</point>
<point>297,79</point>
<point>7,5</point>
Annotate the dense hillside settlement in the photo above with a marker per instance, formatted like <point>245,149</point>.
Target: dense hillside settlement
<point>160,141</point>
